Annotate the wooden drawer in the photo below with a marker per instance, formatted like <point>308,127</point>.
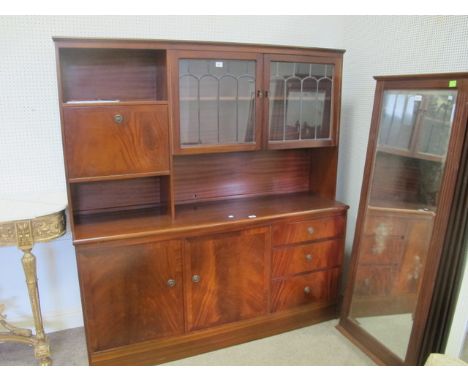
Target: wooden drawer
<point>308,230</point>
<point>305,258</point>
<point>381,250</point>
<point>116,140</point>
<point>374,280</point>
<point>304,289</point>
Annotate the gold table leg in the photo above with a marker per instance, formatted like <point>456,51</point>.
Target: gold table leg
<point>41,343</point>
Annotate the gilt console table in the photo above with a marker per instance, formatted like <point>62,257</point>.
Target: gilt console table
<point>23,222</point>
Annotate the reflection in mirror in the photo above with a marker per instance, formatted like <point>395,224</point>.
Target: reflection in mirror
<point>408,166</point>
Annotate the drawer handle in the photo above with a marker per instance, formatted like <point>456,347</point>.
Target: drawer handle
<point>310,230</point>
<point>171,283</point>
<point>118,118</point>
<point>308,257</point>
<point>307,290</point>
<point>196,278</point>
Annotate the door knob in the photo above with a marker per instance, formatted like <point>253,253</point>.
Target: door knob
<point>118,118</point>
<point>196,278</point>
<point>171,283</point>
<point>307,290</point>
<point>308,257</point>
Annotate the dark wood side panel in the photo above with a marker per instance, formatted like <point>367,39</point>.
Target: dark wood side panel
<point>202,177</point>
<point>98,145</point>
<point>117,194</point>
<point>232,272</point>
<point>126,294</point>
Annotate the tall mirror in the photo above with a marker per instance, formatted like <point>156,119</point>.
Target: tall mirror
<point>400,203</point>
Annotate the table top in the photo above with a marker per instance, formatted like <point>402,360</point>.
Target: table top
<point>32,205</point>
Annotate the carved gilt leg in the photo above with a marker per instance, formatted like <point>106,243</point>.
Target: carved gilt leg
<point>41,343</point>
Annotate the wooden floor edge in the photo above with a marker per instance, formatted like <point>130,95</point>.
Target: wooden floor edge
<point>166,350</point>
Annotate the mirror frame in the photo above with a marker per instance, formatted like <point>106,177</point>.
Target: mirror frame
<point>347,325</point>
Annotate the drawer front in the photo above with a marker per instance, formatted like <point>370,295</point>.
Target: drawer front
<point>305,289</point>
<point>374,280</point>
<point>381,250</point>
<point>308,230</point>
<point>305,258</point>
<point>116,140</point>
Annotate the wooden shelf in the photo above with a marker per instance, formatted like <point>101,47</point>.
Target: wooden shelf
<point>117,177</point>
<point>112,103</point>
<point>410,154</point>
<point>193,217</point>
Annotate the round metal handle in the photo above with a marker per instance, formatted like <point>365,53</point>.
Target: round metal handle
<point>308,257</point>
<point>307,290</point>
<point>196,278</point>
<point>310,230</point>
<point>171,283</point>
<point>118,118</point>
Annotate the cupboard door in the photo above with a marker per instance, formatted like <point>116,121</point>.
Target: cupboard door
<point>215,105</point>
<point>226,277</point>
<point>116,140</point>
<point>302,100</point>
<point>131,293</point>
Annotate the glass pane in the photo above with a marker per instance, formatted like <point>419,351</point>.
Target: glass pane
<point>300,101</point>
<point>401,209</point>
<point>217,101</point>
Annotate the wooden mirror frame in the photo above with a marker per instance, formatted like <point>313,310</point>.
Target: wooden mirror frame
<point>356,334</point>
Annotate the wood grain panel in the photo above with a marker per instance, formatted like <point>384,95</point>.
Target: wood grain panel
<point>233,281</point>
<point>96,145</point>
<point>308,230</point>
<point>126,295</point>
<point>113,74</point>
<point>116,194</point>
<point>211,176</point>
<point>289,293</point>
<point>305,258</point>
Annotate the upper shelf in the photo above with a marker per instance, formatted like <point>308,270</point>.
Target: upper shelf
<point>192,217</point>
<point>113,74</point>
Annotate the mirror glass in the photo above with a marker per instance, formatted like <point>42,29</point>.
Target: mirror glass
<point>402,202</point>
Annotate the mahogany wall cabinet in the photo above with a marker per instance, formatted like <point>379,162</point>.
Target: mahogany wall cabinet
<point>192,230</point>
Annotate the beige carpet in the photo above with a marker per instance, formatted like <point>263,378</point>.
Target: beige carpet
<point>393,331</point>
<point>319,344</point>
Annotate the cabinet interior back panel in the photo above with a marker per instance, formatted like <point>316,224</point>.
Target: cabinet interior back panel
<point>203,177</point>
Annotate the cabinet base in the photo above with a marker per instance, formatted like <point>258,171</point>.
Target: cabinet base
<point>169,349</point>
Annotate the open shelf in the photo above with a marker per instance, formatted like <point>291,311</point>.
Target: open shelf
<point>117,177</point>
<point>196,216</point>
<point>96,197</point>
<point>94,75</point>
<point>71,104</point>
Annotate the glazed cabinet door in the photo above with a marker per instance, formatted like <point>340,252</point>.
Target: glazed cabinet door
<point>214,95</point>
<point>131,293</point>
<point>226,277</point>
<point>302,100</point>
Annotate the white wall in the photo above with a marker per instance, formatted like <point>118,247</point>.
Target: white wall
<point>30,141</point>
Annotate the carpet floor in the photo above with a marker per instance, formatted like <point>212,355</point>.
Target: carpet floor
<point>319,344</point>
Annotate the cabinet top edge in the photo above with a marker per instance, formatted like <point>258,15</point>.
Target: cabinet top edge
<point>90,42</point>
<point>430,76</point>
